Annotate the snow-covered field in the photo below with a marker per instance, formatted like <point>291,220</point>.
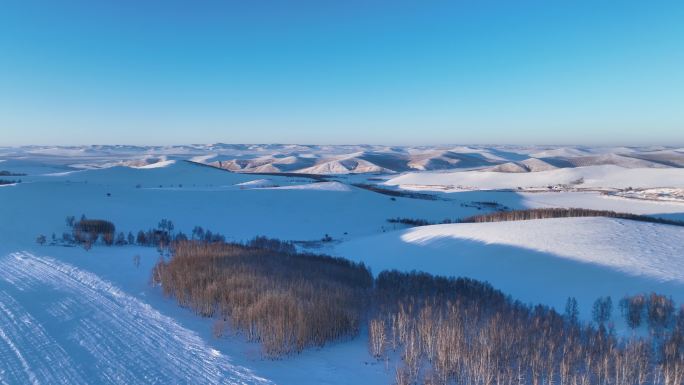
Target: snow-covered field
<point>609,177</point>
<point>73,316</point>
<point>62,324</point>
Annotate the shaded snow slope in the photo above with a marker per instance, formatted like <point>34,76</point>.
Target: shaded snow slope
<point>639,249</point>
<point>540,261</point>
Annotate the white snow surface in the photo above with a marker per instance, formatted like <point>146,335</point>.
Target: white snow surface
<point>591,177</point>
<point>320,186</point>
<point>637,248</point>
<point>257,183</point>
<point>161,163</point>
<point>88,331</point>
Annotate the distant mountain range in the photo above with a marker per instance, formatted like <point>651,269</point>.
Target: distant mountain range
<point>350,159</point>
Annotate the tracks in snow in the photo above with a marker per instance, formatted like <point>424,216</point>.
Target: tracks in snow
<point>86,330</point>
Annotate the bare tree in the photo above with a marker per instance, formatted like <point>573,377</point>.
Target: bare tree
<point>572,310</point>
<point>602,310</point>
<point>632,309</point>
<point>377,337</point>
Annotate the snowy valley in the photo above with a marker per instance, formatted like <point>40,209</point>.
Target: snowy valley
<point>73,314</point>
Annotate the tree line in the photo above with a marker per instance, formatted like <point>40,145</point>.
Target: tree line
<point>88,232</point>
<point>10,173</point>
<point>460,331</point>
<point>544,213</point>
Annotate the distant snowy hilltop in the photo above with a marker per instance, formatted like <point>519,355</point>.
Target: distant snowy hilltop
<point>350,159</point>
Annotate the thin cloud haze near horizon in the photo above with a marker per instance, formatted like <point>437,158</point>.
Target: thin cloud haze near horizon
<point>400,72</point>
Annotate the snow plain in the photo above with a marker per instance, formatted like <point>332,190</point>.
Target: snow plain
<point>73,316</point>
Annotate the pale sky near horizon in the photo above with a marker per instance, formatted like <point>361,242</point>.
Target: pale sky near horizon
<point>323,71</point>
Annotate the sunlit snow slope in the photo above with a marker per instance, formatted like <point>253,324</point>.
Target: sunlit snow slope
<point>79,329</point>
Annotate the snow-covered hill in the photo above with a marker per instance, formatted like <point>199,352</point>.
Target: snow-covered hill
<point>591,177</point>
<point>539,261</point>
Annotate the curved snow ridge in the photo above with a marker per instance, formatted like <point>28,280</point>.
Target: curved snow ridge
<point>117,338</point>
<point>318,186</point>
<point>256,182</point>
<point>159,164</point>
<point>635,248</point>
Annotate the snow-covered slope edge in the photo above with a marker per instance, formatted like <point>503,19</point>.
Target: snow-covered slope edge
<point>539,261</point>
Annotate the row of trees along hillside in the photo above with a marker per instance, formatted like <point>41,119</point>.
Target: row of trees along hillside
<point>543,213</point>
<point>8,181</point>
<point>87,232</point>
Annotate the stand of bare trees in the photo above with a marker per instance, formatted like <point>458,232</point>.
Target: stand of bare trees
<point>283,299</point>
<point>445,330</point>
<point>87,231</point>
<point>410,221</point>
<point>521,215</point>
<point>506,215</point>
<point>459,331</point>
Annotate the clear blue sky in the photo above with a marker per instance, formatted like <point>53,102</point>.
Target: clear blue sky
<point>348,71</point>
